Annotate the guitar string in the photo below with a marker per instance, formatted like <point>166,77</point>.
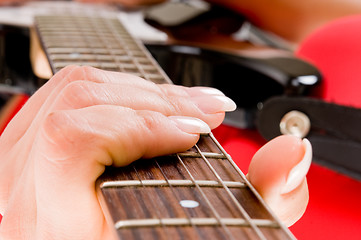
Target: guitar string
<point>232,163</point>
<point>134,63</point>
<point>231,195</point>
<point>149,59</point>
<point>128,53</point>
<point>244,213</point>
<point>200,234</point>
<point>113,32</point>
<point>157,211</point>
<point>254,191</point>
<point>164,175</point>
<point>93,23</point>
<point>214,211</point>
<point>276,220</point>
<point>196,184</point>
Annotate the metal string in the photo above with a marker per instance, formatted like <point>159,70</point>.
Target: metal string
<point>231,195</point>
<point>175,195</point>
<point>242,210</point>
<point>157,212</point>
<point>214,211</point>
<point>254,191</point>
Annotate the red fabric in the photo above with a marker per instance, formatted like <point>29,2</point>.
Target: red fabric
<point>334,210</point>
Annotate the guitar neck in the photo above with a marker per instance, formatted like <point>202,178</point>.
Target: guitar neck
<point>197,194</point>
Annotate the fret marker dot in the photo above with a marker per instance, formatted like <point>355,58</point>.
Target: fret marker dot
<point>189,203</point>
<point>74,55</point>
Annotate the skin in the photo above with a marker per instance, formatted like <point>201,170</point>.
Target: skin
<point>46,161</point>
<point>278,172</point>
<point>47,145</point>
<point>47,169</point>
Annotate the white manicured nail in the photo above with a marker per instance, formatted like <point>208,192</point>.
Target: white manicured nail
<point>298,172</point>
<point>190,124</point>
<point>207,91</point>
<point>210,104</point>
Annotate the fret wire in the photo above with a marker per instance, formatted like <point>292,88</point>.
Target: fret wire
<point>175,183</point>
<point>240,208</point>
<point>136,223</point>
<point>225,156</point>
<point>128,52</point>
<point>207,154</point>
<point>149,58</point>
<point>215,213</point>
<point>154,206</point>
<point>175,195</point>
<point>108,48</point>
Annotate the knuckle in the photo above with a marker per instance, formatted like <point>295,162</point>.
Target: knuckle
<point>182,106</point>
<point>171,104</point>
<point>175,107</point>
<point>65,132</point>
<point>81,73</point>
<point>61,137</point>
<point>149,125</point>
<point>68,69</point>
<point>55,126</point>
<point>77,94</point>
<point>86,70</point>
<point>149,122</point>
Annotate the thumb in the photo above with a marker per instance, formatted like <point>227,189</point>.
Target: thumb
<point>278,172</point>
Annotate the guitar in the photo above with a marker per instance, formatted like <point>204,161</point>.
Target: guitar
<point>197,194</point>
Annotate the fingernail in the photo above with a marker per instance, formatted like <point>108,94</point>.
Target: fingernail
<point>298,172</point>
<point>214,103</point>
<point>190,124</point>
<point>196,91</point>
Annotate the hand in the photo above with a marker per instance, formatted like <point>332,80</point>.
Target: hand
<point>80,121</point>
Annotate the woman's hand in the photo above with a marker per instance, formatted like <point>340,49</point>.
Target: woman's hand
<point>82,120</point>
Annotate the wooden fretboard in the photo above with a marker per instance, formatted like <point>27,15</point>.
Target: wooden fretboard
<point>198,194</point>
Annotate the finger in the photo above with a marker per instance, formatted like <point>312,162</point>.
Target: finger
<point>204,103</point>
<point>77,144</point>
<point>61,89</point>
<point>120,130</point>
<point>278,172</point>
<point>45,96</point>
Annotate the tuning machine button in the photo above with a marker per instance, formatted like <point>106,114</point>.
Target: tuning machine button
<point>295,123</point>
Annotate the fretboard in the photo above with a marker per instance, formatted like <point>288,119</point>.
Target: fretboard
<point>197,194</point>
